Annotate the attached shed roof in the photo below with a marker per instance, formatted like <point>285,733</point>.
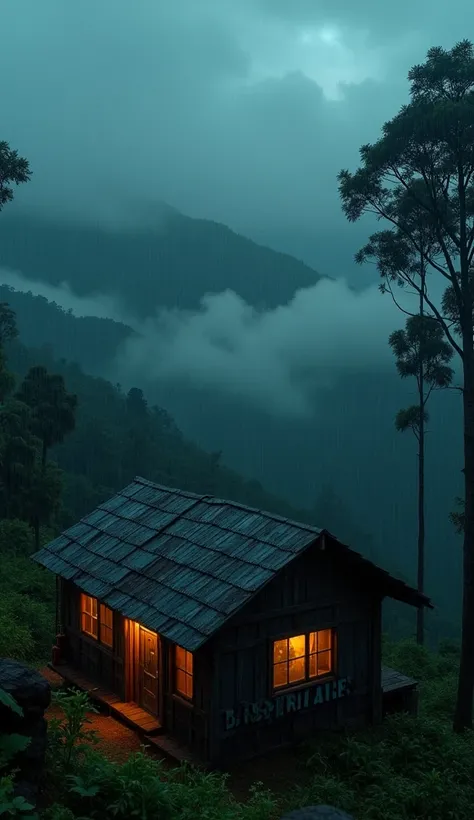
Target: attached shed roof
<point>183,564</point>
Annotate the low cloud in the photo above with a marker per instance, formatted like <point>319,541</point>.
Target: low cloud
<point>94,304</point>
<point>276,359</point>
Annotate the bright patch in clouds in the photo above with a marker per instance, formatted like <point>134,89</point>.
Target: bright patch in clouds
<point>325,54</point>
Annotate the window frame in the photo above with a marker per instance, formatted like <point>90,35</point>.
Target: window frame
<point>189,675</point>
<point>308,679</point>
<point>101,625</point>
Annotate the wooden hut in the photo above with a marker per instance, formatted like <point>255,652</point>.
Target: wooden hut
<point>218,630</point>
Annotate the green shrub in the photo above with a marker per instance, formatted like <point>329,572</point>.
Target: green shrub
<point>10,746</point>
<point>27,609</point>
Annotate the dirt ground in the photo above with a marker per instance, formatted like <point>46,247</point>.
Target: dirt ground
<point>278,771</point>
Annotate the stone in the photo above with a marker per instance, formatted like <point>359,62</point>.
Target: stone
<point>317,813</point>
<point>32,692</point>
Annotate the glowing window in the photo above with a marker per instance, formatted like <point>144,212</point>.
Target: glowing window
<point>89,619</point>
<point>302,658</point>
<point>184,672</point>
<point>97,620</point>
<point>106,626</point>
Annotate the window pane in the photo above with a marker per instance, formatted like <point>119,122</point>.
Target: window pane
<point>280,674</point>
<point>181,681</point>
<point>313,641</point>
<point>184,672</point>
<point>313,666</point>
<point>280,651</point>
<point>89,624</point>
<point>324,639</point>
<point>324,662</point>
<point>106,616</point>
<point>180,658</point>
<point>297,646</point>
<point>296,670</point>
<point>106,636</point>
<point>94,607</point>
<point>189,686</point>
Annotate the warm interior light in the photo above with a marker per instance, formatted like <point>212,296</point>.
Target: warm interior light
<point>291,656</point>
<point>320,648</point>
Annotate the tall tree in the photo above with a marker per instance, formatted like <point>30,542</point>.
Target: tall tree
<point>422,352</point>
<point>136,404</point>
<point>426,154</point>
<point>18,456</point>
<point>53,408</point>
<point>8,326</point>
<point>8,331</point>
<point>43,498</point>
<point>13,171</point>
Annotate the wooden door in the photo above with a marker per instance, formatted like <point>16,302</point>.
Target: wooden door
<point>148,681</point>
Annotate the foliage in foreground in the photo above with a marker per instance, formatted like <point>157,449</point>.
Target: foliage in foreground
<point>407,769</point>
<point>12,805</point>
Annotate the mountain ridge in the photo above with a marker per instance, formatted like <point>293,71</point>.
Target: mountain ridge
<point>172,266</point>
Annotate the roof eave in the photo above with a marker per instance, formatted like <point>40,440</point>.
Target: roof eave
<point>409,595</point>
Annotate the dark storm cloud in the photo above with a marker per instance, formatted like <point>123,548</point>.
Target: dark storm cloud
<point>243,112</point>
<point>217,107</point>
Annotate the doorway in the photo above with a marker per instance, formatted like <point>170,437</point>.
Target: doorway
<point>148,670</point>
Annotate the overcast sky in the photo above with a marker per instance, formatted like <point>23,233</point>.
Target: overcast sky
<point>242,111</point>
<point>239,110</point>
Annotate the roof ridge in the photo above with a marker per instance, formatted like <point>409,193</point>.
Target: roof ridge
<point>215,499</point>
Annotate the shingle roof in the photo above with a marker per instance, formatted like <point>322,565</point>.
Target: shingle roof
<point>182,563</point>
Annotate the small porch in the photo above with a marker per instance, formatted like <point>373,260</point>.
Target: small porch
<point>129,712</point>
<point>146,726</point>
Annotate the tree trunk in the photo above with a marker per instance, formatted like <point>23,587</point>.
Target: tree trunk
<point>420,613</point>
<point>464,703</point>
<point>463,711</point>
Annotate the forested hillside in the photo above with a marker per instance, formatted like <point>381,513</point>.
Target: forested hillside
<point>118,436</point>
<point>89,341</point>
<point>172,266</point>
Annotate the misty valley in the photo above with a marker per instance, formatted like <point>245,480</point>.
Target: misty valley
<point>236,483</point>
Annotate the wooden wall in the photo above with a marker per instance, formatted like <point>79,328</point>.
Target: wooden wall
<point>313,593</point>
<point>189,722</point>
<point>96,661</point>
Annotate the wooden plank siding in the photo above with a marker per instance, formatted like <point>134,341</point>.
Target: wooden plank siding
<point>99,669</point>
<point>189,722</point>
<point>96,661</point>
<point>309,595</point>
